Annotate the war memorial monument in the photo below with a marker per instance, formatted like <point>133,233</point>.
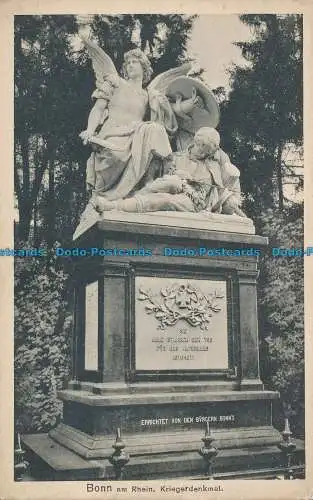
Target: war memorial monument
<point>166,380</point>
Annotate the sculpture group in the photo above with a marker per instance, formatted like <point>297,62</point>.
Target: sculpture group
<point>154,145</point>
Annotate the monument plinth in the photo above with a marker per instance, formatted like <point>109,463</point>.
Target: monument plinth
<point>166,340</point>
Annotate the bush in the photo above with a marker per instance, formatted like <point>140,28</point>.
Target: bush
<point>42,341</point>
<point>281,298</point>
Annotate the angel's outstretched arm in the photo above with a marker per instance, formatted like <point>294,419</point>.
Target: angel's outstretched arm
<point>102,64</point>
<point>96,118</point>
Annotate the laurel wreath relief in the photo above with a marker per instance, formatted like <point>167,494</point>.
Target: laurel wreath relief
<point>182,302</point>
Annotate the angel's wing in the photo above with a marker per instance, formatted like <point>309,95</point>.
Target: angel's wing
<point>162,81</point>
<point>102,64</point>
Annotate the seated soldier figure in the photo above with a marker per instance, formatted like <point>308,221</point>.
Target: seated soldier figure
<point>202,178</point>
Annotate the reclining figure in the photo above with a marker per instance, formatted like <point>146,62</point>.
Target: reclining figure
<point>201,178</point>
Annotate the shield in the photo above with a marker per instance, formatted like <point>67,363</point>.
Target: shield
<point>204,114</point>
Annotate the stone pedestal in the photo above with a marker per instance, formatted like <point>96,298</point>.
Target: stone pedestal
<point>166,339</point>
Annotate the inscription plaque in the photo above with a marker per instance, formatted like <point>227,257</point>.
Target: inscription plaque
<point>180,324</point>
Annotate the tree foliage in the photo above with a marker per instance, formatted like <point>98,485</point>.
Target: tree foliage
<point>162,37</point>
<point>281,301</point>
<point>42,340</point>
<point>263,112</point>
<point>260,117</point>
<point>46,106</point>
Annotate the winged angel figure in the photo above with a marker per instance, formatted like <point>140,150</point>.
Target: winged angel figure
<point>131,123</point>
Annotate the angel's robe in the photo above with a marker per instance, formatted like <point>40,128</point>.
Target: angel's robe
<point>129,144</point>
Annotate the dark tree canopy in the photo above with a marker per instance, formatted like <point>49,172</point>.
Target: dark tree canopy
<point>263,111</point>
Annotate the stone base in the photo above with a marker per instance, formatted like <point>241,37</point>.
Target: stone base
<point>148,413</point>
<point>200,220</point>
<point>162,433</point>
<point>178,441</point>
<point>51,461</point>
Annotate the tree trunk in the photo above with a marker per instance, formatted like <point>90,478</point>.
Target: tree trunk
<point>35,218</point>
<point>24,223</point>
<point>27,194</point>
<point>280,177</point>
<point>51,204</point>
<point>24,205</point>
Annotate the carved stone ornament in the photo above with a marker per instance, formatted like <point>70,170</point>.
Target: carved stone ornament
<point>181,302</point>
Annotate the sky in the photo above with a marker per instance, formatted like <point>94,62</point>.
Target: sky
<point>211,42</point>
